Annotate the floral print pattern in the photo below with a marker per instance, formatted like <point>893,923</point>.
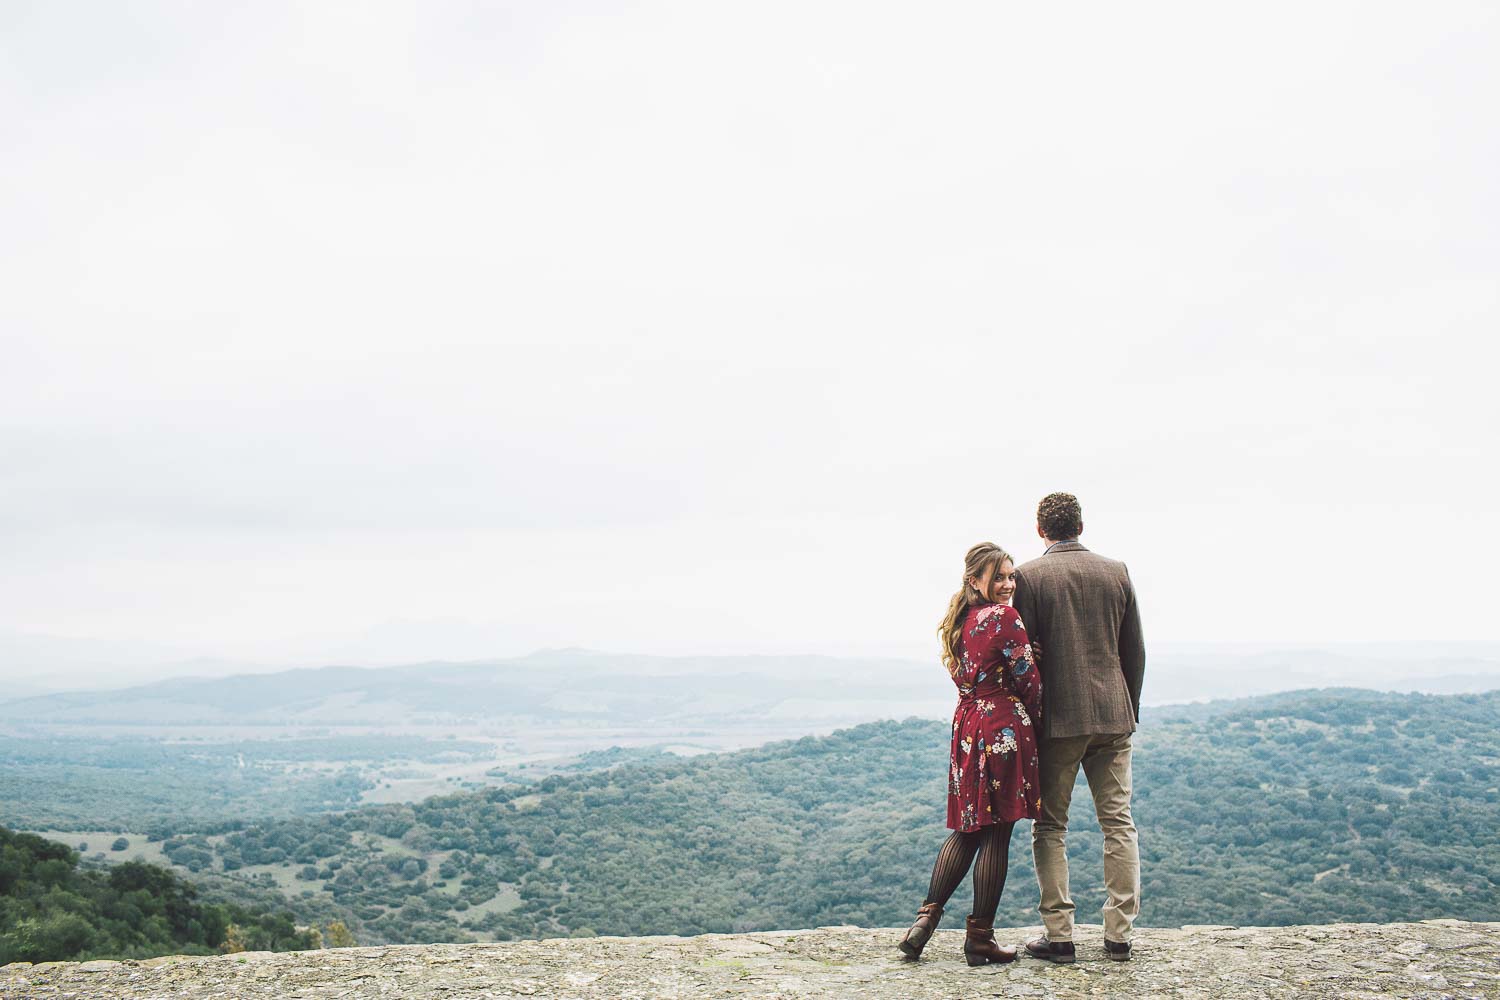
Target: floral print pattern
<point>993,766</point>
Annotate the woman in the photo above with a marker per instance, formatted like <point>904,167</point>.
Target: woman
<point>992,769</point>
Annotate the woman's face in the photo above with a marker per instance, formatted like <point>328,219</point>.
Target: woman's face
<point>1003,586</point>
<point>998,583</point>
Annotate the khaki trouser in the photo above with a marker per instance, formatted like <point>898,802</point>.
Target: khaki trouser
<point>1106,765</point>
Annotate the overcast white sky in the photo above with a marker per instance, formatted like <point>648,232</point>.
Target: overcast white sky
<point>729,327</point>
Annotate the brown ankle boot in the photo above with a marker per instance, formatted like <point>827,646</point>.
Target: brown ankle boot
<point>921,932</point>
<point>979,944</point>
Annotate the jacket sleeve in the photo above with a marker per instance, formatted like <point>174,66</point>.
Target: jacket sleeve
<point>1023,600</point>
<point>1132,647</point>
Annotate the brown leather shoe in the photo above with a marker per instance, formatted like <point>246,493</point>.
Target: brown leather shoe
<point>1119,951</point>
<point>921,932</point>
<point>979,944</point>
<point>1060,952</point>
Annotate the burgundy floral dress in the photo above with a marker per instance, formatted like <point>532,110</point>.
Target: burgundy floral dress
<point>992,773</point>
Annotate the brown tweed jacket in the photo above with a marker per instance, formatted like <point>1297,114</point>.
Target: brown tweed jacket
<point>1081,607</point>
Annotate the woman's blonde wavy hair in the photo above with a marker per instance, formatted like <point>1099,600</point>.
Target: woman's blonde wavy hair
<point>979,559</point>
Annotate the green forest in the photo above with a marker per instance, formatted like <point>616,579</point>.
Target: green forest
<point>50,909</point>
<point>1306,807</point>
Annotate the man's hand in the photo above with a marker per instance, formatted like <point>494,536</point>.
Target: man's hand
<point>1036,652</point>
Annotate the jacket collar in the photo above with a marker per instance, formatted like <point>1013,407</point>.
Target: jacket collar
<point>1073,545</point>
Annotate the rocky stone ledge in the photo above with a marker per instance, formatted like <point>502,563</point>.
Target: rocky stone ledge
<point>1433,959</point>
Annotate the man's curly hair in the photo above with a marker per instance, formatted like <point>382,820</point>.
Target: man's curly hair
<point>1059,516</point>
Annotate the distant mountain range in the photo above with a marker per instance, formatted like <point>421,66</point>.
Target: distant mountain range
<point>582,685</point>
<point>551,686</point>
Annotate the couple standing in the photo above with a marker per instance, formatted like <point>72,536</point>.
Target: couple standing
<point>1018,742</point>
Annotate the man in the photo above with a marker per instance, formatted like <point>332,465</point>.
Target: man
<point>1081,608</point>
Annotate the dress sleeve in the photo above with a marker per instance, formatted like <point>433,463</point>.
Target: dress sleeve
<point>1024,676</point>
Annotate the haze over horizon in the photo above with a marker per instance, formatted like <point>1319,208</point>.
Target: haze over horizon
<point>687,329</point>
<point>1177,671</point>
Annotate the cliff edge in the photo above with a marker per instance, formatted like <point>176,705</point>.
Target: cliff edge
<point>1433,959</point>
